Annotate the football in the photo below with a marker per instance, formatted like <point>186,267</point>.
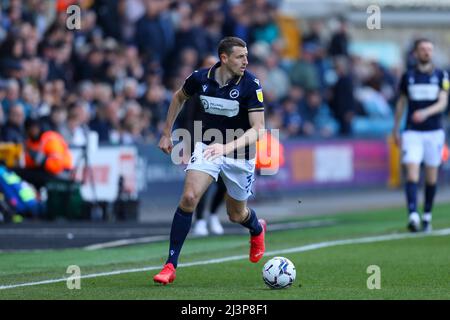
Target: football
<point>279,273</point>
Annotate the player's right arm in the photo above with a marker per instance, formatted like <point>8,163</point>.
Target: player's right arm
<point>165,143</point>
<point>399,109</point>
<point>190,86</point>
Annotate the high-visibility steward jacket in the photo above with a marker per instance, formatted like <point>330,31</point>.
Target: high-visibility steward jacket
<point>269,152</point>
<point>50,152</point>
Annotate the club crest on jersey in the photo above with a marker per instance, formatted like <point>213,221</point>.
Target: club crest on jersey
<point>234,93</point>
<point>204,87</point>
<point>205,103</point>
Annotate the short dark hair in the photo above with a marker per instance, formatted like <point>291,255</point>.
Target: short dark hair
<point>419,41</point>
<point>226,45</point>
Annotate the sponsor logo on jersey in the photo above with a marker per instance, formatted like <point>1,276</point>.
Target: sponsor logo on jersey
<point>423,92</point>
<point>220,106</point>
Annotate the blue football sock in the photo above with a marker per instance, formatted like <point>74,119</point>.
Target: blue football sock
<point>252,223</point>
<point>181,224</point>
<point>411,196</point>
<point>430,191</point>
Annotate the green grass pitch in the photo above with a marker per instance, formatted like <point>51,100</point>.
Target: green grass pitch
<point>411,268</point>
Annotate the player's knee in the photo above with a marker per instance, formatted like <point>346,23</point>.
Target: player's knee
<point>189,200</point>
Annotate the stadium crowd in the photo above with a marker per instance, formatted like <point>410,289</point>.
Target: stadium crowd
<point>117,73</point>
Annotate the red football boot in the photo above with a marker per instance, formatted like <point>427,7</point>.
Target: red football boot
<point>167,274</point>
<point>257,246</point>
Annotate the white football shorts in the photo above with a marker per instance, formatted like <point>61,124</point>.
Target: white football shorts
<point>423,146</point>
<point>237,174</point>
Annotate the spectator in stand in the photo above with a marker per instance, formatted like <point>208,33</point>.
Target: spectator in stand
<point>130,89</point>
<point>94,68</point>
<point>155,34</point>
<point>277,81</point>
<point>342,100</point>
<point>314,35</point>
<point>189,35</point>
<point>131,126</point>
<point>134,68</point>
<point>30,100</point>
<point>156,101</point>
<point>264,27</point>
<point>340,40</point>
<point>78,116</point>
<point>12,131</point>
<point>110,17</point>
<point>87,94</point>
<point>317,120</point>
<point>292,121</point>
<point>106,122</point>
<point>56,121</point>
<point>237,21</point>
<point>59,68</point>
<point>375,117</point>
<point>12,95</point>
<point>303,72</point>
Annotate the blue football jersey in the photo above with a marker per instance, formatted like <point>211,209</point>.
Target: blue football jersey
<point>422,90</point>
<point>225,107</point>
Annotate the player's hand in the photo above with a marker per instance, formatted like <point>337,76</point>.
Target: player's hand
<point>419,116</point>
<point>214,151</point>
<point>166,144</point>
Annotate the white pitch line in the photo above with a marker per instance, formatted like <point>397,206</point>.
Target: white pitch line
<point>124,242</point>
<point>150,239</point>
<point>308,247</point>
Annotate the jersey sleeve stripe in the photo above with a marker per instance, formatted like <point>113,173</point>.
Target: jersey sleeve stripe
<point>255,109</point>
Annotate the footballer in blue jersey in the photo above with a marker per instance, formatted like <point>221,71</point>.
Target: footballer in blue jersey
<point>232,120</point>
<point>424,90</point>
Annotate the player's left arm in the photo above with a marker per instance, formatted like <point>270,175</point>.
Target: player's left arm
<point>256,120</point>
<point>435,108</point>
<point>439,106</point>
<point>254,102</point>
